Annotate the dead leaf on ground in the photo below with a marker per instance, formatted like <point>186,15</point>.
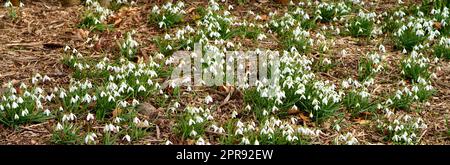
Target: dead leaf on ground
<point>361,121</point>
<point>437,25</point>
<point>190,10</point>
<point>264,17</point>
<point>304,118</point>
<point>117,112</point>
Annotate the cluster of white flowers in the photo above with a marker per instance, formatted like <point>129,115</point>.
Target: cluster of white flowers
<point>123,78</point>
<point>194,119</point>
<point>445,42</point>
<point>22,104</point>
<point>373,62</point>
<point>347,139</point>
<point>101,13</point>
<point>356,86</point>
<point>401,129</point>
<point>442,16</point>
<point>298,17</point>
<point>129,45</point>
<point>273,131</point>
<point>331,11</point>
<point>415,65</point>
<point>422,28</point>
<point>168,14</point>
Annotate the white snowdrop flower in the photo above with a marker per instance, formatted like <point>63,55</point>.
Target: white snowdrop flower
<point>200,141</point>
<point>16,117</point>
<point>145,123</point>
<point>2,108</point>
<point>8,4</point>
<point>168,142</point>
<point>127,138</point>
<point>117,120</point>
<point>136,120</point>
<point>234,114</point>
<point>19,100</point>
<point>382,49</point>
<point>46,78</point>
<point>135,102</point>
<point>208,99</point>
<point>239,131</point>
<point>90,117</point>
<point>90,137</point>
<point>62,94</point>
<point>14,105</point>
<point>59,127</point>
<point>72,117</point>
<point>24,112</point>
<point>191,122</point>
<point>141,89</point>
<point>47,112</point>
<point>230,7</point>
<point>337,127</point>
<point>245,141</point>
<point>193,133</point>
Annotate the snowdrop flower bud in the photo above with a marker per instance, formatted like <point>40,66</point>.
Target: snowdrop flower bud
<point>127,138</point>
<point>208,99</point>
<point>90,117</point>
<point>47,112</point>
<point>59,127</point>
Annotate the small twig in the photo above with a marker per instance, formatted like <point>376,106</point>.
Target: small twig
<point>424,132</point>
<point>32,130</point>
<point>158,133</point>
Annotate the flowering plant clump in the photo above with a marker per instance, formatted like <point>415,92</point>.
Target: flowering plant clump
<point>95,16</point>
<point>369,65</point>
<point>414,66</point>
<point>403,98</point>
<point>327,12</point>
<point>414,33</point>
<point>422,90</point>
<point>24,105</point>
<point>66,133</point>
<point>12,11</point>
<point>193,122</point>
<point>401,129</point>
<point>167,16</point>
<point>296,17</point>
<point>271,131</point>
<point>358,99</point>
<point>442,48</point>
<point>297,88</point>
<point>124,80</point>
<point>362,25</point>
<point>297,39</point>
<point>347,139</point>
<point>128,48</point>
<point>442,19</point>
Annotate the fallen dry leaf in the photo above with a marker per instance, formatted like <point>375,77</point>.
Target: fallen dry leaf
<point>437,25</point>
<point>264,17</point>
<point>361,121</point>
<point>190,10</point>
<point>117,112</point>
<point>304,118</point>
